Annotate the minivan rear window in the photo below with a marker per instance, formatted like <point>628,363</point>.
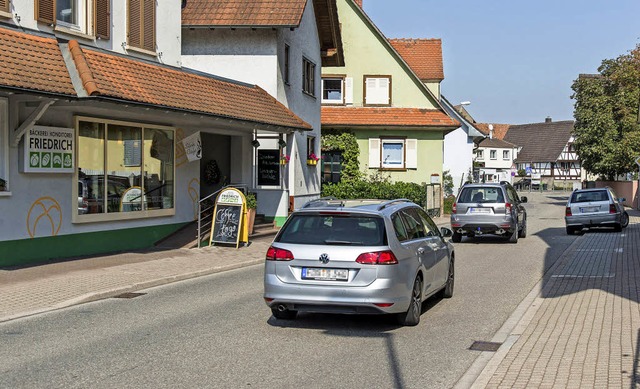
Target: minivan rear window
<point>316,229</point>
<point>489,194</point>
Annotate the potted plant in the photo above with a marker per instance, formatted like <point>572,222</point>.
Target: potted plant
<point>284,159</point>
<point>312,159</point>
<point>252,205</point>
<point>3,185</point>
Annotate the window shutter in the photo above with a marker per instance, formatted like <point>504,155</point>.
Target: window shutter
<point>45,11</point>
<point>377,91</point>
<point>103,19</point>
<point>412,153</point>
<point>348,90</point>
<point>383,90</point>
<point>4,6</point>
<point>374,153</point>
<point>149,25</point>
<point>133,22</point>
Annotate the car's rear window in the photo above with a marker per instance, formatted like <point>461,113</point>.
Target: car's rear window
<point>585,197</point>
<point>333,229</point>
<point>481,194</point>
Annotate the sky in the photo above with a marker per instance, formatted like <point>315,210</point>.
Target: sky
<point>514,60</point>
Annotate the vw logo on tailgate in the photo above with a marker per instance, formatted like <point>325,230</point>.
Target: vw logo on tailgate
<point>324,258</point>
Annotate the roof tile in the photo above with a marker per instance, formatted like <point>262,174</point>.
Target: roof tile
<point>424,56</point>
<point>364,116</point>
<point>243,12</point>
<point>540,142</point>
<point>33,62</point>
<point>499,130</point>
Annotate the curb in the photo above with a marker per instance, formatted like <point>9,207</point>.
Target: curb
<point>485,365</point>
<point>104,294</point>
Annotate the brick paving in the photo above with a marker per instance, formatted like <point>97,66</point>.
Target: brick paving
<point>584,331</point>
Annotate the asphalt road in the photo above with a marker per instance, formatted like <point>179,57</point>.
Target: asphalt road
<point>216,331</point>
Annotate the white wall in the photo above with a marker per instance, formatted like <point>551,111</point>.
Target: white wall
<point>458,156</point>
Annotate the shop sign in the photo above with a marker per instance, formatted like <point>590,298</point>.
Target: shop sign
<point>48,150</point>
<point>193,147</point>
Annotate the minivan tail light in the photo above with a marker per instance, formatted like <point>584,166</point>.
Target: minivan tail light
<point>276,254</point>
<point>612,208</point>
<point>377,258</point>
<point>454,208</point>
<point>567,211</point>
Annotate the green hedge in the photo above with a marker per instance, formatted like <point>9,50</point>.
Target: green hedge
<point>376,188</point>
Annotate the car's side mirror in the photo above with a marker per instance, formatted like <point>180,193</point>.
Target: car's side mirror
<point>447,233</point>
<point>524,199</point>
<point>622,199</point>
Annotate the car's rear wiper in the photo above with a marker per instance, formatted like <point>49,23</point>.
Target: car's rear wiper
<point>339,242</point>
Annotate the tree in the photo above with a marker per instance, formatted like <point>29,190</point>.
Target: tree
<point>447,182</point>
<point>607,134</point>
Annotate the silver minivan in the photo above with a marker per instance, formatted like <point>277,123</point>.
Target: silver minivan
<point>599,207</point>
<point>358,257</point>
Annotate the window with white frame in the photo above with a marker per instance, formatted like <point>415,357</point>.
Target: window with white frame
<point>4,145</point>
<point>506,154</point>
<point>125,170</point>
<point>308,77</point>
<point>480,154</point>
<point>377,90</point>
<point>89,17</point>
<point>493,154</point>
<point>332,90</point>
<point>393,153</point>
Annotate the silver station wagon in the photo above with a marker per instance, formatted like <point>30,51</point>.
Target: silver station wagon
<point>358,256</point>
<point>595,208</point>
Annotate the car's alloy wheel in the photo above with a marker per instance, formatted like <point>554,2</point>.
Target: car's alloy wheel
<point>412,316</point>
<point>523,232</point>
<point>624,219</point>
<point>447,291</point>
<point>287,314</point>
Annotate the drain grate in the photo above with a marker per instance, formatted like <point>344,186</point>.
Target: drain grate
<point>128,295</point>
<point>485,346</point>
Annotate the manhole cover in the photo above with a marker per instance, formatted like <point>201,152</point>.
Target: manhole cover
<point>128,295</point>
<point>485,346</point>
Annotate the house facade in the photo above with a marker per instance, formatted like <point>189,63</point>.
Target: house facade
<point>494,160</point>
<point>281,47</point>
<point>96,112</point>
<point>546,150</point>
<point>393,112</point>
<point>460,146</point>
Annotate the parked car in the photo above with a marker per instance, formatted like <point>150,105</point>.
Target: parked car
<point>358,257</point>
<point>489,208</point>
<point>595,208</point>
<point>525,183</point>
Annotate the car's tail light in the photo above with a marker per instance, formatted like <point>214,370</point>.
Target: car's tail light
<point>276,254</point>
<point>567,211</point>
<point>383,305</point>
<point>612,208</point>
<point>377,258</point>
<point>454,208</point>
<point>507,208</point>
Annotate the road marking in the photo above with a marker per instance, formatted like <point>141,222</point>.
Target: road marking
<point>609,275</point>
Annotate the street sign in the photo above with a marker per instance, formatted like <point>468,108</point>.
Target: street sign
<point>528,170</point>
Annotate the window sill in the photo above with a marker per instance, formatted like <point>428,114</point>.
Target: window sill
<point>5,194</point>
<point>309,94</point>
<point>141,51</point>
<point>73,32</point>
<point>338,103</point>
<point>7,15</point>
<point>393,169</point>
<point>121,216</point>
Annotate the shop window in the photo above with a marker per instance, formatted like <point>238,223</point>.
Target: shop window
<point>141,16</point>
<point>308,77</point>
<point>331,167</point>
<point>4,145</point>
<point>377,90</point>
<point>333,90</point>
<point>124,169</point>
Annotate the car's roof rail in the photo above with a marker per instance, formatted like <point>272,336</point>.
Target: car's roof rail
<point>311,202</point>
<point>391,202</point>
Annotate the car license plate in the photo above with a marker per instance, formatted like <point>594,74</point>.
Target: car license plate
<point>312,273</point>
<point>588,209</point>
<point>479,210</point>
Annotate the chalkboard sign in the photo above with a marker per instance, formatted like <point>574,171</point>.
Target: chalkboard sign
<point>269,167</point>
<point>226,223</point>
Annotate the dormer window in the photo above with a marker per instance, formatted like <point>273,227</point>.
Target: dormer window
<point>76,16</point>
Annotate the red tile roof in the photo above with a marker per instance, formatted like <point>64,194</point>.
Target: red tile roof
<point>424,56</point>
<point>243,13</point>
<point>499,130</point>
<point>34,63</point>
<point>405,117</point>
<point>124,78</point>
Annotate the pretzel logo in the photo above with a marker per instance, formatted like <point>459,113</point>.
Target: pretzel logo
<point>44,212</point>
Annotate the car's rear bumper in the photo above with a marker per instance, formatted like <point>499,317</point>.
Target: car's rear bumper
<point>604,220</point>
<point>495,224</point>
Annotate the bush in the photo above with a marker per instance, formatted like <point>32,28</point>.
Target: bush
<point>376,187</point>
<point>252,202</point>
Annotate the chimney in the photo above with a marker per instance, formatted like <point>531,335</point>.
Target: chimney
<point>490,131</point>
<point>547,119</point>
<point>359,2</point>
